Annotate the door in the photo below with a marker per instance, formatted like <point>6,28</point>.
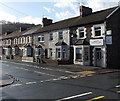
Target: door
<point>98,57</point>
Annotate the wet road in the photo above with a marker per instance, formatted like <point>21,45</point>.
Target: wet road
<point>37,82</point>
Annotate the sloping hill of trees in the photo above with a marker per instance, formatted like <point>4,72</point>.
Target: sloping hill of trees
<point>11,27</point>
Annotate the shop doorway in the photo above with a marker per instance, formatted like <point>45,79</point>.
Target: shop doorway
<point>98,57</point>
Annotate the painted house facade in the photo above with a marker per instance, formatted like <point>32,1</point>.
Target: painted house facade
<point>88,39</point>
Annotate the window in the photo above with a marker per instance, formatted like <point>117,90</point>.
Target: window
<point>28,51</point>
<point>23,40</point>
<point>81,33</point>
<point>41,38</point>
<point>51,36</point>
<point>50,52</point>
<point>38,51</point>
<point>28,39</point>
<point>16,51</point>
<point>78,53</point>
<point>97,31</point>
<point>60,35</point>
<point>15,41</point>
<point>58,53</point>
<point>63,54</point>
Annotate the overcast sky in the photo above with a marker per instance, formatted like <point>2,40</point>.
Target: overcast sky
<point>32,11</point>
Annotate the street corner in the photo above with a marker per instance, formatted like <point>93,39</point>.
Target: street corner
<point>5,80</point>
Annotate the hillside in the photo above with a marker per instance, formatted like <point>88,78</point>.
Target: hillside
<point>11,27</point>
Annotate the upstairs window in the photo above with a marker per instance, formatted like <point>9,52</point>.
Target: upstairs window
<point>60,37</point>
<point>41,38</point>
<point>81,33</point>
<point>97,31</point>
<point>51,36</point>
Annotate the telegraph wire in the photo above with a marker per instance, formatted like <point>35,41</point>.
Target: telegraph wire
<point>14,9</point>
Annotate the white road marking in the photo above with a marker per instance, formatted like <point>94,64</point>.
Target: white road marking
<point>16,85</point>
<point>41,81</point>
<point>30,83</point>
<point>44,73</point>
<point>117,86</point>
<point>71,97</point>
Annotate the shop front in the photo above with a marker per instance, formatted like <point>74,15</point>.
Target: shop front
<point>98,52</point>
<point>82,54</point>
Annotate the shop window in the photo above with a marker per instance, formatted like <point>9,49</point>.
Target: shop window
<point>78,53</point>
<point>60,35</point>
<point>41,38</point>
<point>97,31</point>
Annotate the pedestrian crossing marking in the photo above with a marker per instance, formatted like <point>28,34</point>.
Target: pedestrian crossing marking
<point>96,98</point>
<point>85,72</point>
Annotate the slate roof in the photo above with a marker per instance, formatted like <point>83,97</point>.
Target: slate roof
<point>18,33</point>
<point>95,17</point>
<point>82,42</point>
<point>60,43</point>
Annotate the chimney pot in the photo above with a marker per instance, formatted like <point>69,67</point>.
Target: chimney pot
<point>84,11</point>
<point>46,22</point>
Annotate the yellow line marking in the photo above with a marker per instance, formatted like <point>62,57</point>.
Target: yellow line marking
<point>118,91</point>
<point>85,72</point>
<point>96,98</point>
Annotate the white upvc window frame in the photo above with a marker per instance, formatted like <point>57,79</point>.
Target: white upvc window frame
<point>83,29</point>
<point>58,52</point>
<point>41,38</point>
<point>51,37</point>
<point>102,34</point>
<point>60,35</point>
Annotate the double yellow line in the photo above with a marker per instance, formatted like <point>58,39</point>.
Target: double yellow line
<point>96,98</point>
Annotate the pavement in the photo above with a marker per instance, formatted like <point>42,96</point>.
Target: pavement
<point>5,80</point>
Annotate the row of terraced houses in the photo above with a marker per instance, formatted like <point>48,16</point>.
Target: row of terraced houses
<point>89,39</point>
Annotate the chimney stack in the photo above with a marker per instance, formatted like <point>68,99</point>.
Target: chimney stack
<point>46,22</point>
<point>84,11</point>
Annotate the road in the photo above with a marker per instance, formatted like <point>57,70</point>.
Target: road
<point>55,84</point>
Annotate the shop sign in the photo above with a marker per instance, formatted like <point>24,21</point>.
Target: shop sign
<point>109,32</point>
<point>96,42</point>
<point>108,39</point>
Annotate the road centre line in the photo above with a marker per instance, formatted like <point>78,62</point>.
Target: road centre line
<point>71,97</point>
<point>16,85</point>
<point>44,73</point>
<point>96,98</point>
<point>30,83</point>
